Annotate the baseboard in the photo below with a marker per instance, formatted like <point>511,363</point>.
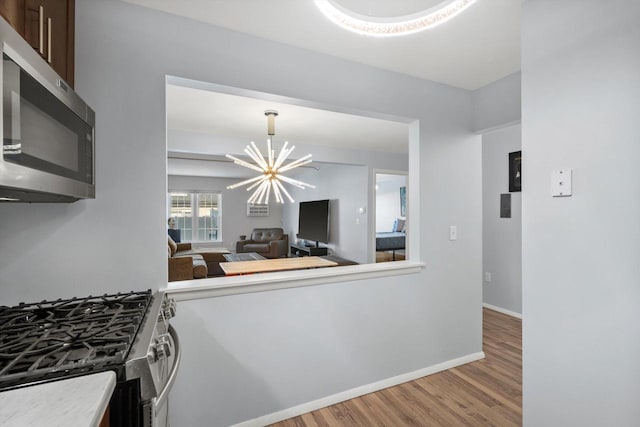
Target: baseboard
<point>357,392</point>
<point>502,310</point>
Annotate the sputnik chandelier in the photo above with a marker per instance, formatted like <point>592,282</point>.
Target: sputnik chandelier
<point>270,168</point>
<point>396,26</point>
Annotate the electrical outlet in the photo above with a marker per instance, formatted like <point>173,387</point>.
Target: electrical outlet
<point>487,277</point>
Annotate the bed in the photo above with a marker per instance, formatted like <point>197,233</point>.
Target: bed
<point>390,241</point>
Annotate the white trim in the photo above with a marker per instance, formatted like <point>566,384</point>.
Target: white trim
<point>497,127</point>
<point>221,286</point>
<point>357,392</point>
<point>502,310</point>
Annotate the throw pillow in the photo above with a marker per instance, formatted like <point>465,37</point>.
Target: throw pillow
<point>398,224</point>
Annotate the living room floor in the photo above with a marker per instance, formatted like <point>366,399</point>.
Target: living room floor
<point>387,256</point>
<point>487,392</point>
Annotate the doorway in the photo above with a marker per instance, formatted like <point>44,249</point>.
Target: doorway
<point>390,216</point>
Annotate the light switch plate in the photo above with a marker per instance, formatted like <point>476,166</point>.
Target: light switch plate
<point>561,185</point>
<point>453,232</point>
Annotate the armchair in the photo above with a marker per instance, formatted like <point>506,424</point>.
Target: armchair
<point>268,242</point>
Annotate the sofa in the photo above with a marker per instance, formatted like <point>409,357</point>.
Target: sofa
<point>268,242</point>
<point>186,263</point>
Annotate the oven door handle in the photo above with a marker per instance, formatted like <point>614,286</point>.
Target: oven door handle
<point>159,401</point>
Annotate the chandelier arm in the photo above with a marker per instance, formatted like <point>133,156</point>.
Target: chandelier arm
<point>241,183</point>
<point>295,182</point>
<point>263,178</point>
<point>266,202</point>
<point>253,197</point>
<point>240,162</point>
<point>279,159</point>
<point>282,157</point>
<point>254,157</point>
<point>300,162</point>
<point>263,162</point>
<point>284,190</point>
<point>265,186</point>
<point>276,190</point>
<point>256,193</point>
<point>260,191</point>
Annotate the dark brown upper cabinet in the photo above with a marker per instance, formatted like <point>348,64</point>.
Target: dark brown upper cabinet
<point>49,27</point>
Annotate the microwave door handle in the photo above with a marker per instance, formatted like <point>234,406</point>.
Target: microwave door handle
<point>159,401</point>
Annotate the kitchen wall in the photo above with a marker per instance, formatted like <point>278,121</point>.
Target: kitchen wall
<point>581,275</point>
<point>347,188</point>
<point>497,104</point>
<point>388,202</point>
<point>501,237</point>
<point>234,207</point>
<point>248,355</point>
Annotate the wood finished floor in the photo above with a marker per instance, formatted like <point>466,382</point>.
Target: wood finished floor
<point>483,393</point>
<point>388,257</point>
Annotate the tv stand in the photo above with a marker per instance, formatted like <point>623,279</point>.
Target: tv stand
<point>300,250</point>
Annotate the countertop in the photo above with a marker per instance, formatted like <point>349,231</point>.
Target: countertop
<point>76,402</point>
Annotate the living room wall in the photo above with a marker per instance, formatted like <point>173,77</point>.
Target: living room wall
<point>235,221</point>
<point>347,188</point>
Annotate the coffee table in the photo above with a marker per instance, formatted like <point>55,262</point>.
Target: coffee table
<point>276,264</point>
<point>246,256</point>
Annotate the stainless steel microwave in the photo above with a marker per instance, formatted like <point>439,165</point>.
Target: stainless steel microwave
<point>48,134</point>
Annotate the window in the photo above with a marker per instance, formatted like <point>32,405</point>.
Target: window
<point>197,215</point>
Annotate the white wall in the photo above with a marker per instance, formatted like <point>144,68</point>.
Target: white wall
<point>501,237</point>
<point>347,188</point>
<point>581,275</point>
<point>252,354</point>
<point>235,221</point>
<point>388,202</point>
<point>497,104</point>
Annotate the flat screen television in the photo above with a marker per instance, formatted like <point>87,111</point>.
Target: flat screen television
<point>313,221</point>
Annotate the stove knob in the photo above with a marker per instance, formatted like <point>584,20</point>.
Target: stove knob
<point>169,308</point>
<point>163,347</point>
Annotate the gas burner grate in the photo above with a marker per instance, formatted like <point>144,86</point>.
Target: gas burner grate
<point>52,338</point>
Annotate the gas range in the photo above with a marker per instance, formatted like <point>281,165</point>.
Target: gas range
<point>128,333</point>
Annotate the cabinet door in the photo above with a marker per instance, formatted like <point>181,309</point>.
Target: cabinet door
<point>13,12</point>
<point>56,35</point>
<point>49,29</point>
<point>34,25</point>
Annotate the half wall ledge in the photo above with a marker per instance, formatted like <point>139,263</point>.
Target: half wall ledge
<point>262,282</point>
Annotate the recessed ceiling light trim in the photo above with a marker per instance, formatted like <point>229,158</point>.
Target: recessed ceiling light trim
<point>395,26</point>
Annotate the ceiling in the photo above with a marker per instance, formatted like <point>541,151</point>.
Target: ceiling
<point>242,118</point>
<point>478,47</point>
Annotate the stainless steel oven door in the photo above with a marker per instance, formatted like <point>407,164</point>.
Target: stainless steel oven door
<point>156,412</point>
